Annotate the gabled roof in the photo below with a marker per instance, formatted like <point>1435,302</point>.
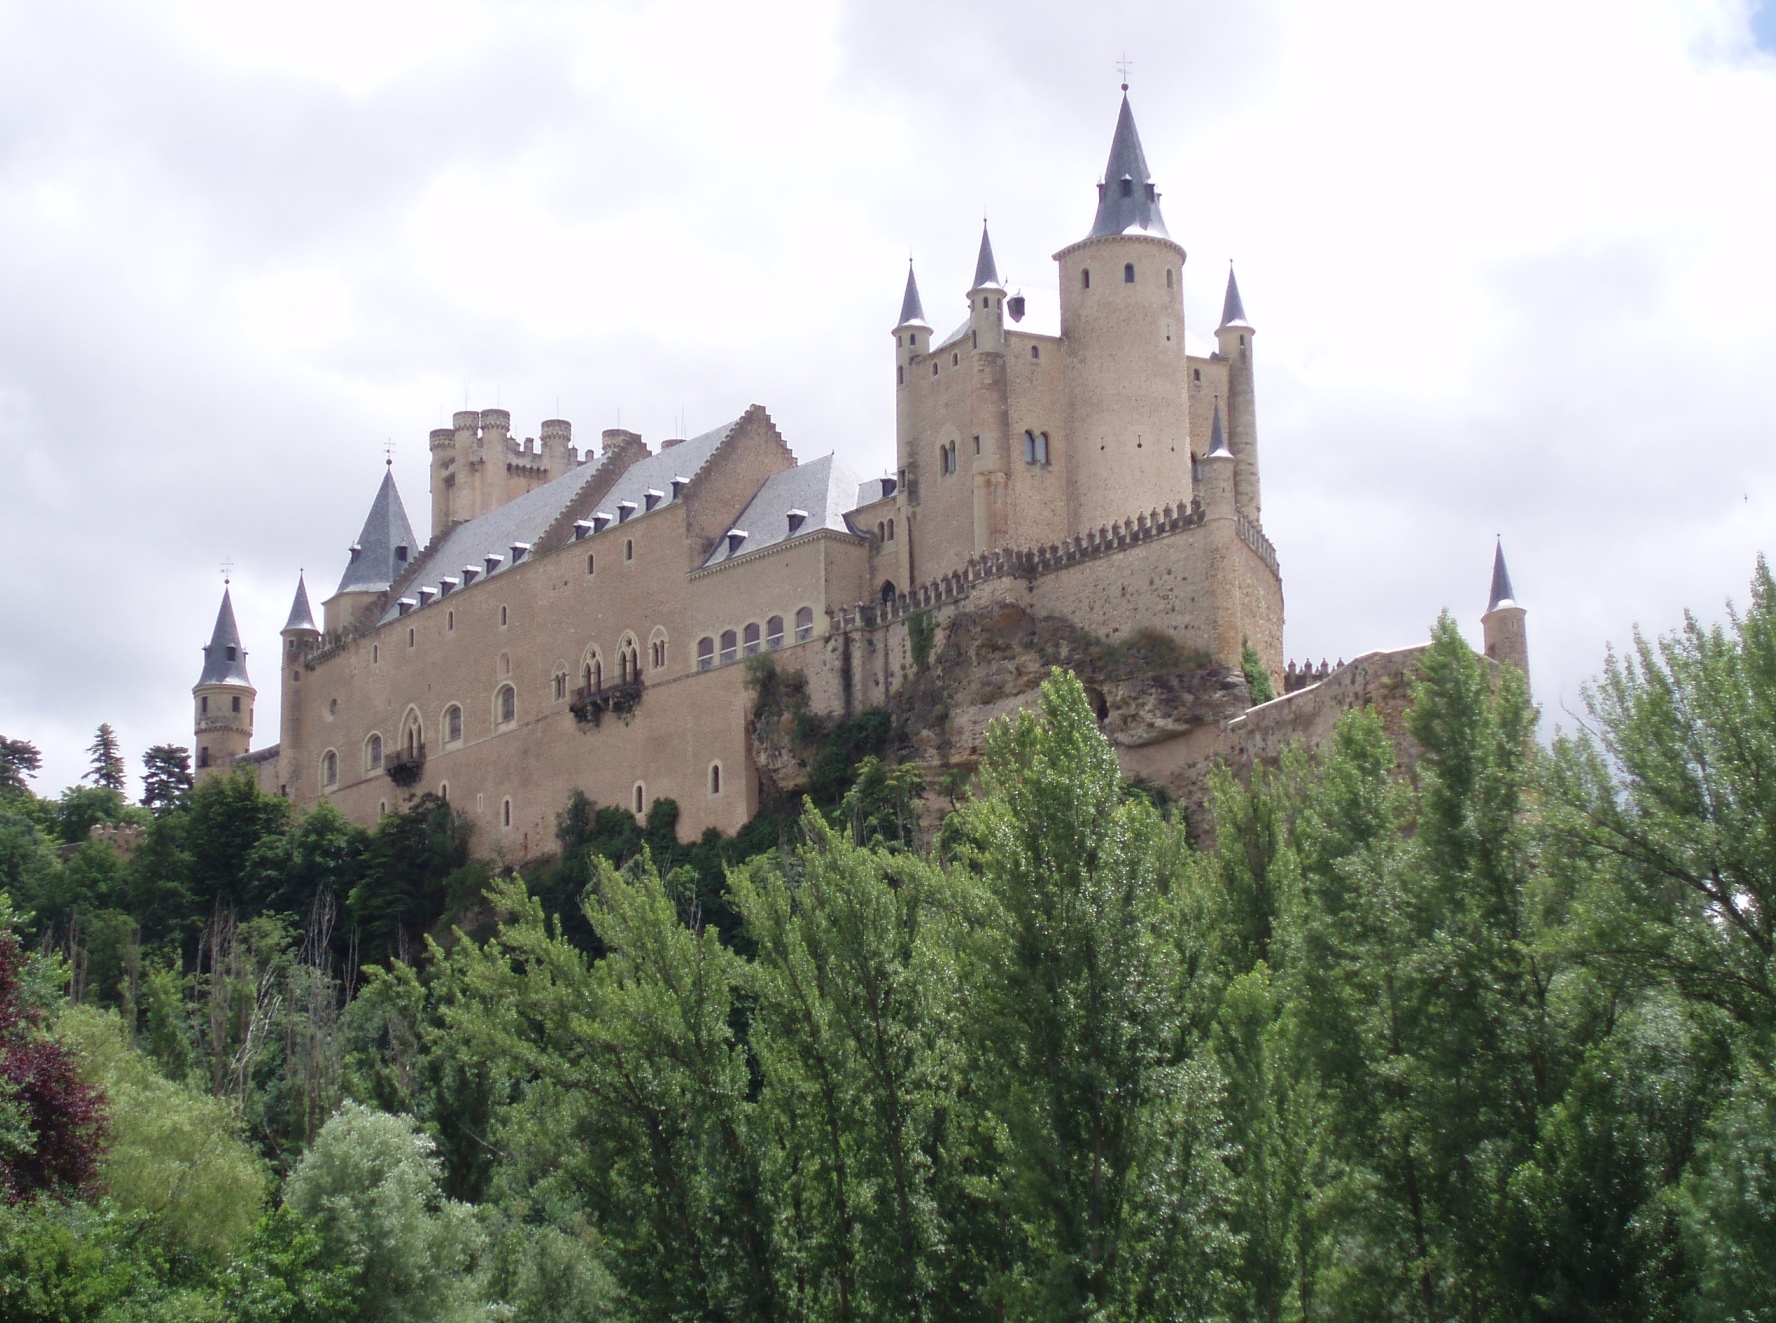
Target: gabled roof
<point>872,490</point>
<point>1233,311</point>
<point>383,547</point>
<point>821,490</point>
<point>1127,199</point>
<point>912,312</point>
<point>526,518</point>
<point>986,270</point>
<point>225,661</point>
<point>1501,581</point>
<point>301,614</point>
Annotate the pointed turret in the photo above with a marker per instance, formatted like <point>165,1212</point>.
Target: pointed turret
<point>223,697</point>
<point>225,661</point>
<point>384,546</point>
<point>912,311</point>
<point>1501,595</point>
<point>1217,436</point>
<point>986,270</point>
<point>1233,310</point>
<point>1127,199</point>
<point>301,619</point>
<point>1502,627</point>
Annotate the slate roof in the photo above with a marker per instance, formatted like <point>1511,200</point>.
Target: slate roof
<point>526,518</point>
<point>875,489</point>
<point>1218,437</point>
<point>301,614</point>
<point>384,545</point>
<point>1233,310</point>
<point>1138,207</point>
<point>821,489</point>
<point>912,311</point>
<point>986,270</point>
<point>225,661</point>
<point>1501,582</point>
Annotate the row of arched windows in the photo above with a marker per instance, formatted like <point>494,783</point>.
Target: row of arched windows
<point>751,639</point>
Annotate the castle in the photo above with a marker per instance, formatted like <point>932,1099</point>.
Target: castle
<point>581,621</point>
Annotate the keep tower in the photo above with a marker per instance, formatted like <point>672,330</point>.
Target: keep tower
<point>1122,324</point>
<point>222,698</point>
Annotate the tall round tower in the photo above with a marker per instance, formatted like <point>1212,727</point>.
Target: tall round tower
<point>300,634</point>
<point>1233,339</point>
<point>1122,323</point>
<point>988,443</point>
<point>1502,627</point>
<point>223,698</point>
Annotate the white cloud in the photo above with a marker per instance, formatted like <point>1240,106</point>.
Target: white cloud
<point>1510,266</point>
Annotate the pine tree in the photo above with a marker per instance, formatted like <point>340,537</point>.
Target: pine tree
<point>18,760</point>
<point>107,761</point>
<point>166,778</point>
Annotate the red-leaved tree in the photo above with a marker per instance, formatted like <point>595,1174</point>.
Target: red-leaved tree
<point>61,1119</point>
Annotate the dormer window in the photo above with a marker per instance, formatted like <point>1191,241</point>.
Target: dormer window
<point>493,560</point>
<point>624,510</point>
<point>653,497</point>
<point>401,554</point>
<point>599,520</point>
<point>518,551</point>
<point>447,585</point>
<point>582,528</point>
<point>1015,306</point>
<point>354,548</point>
<point>678,486</point>
<point>1128,186</point>
<point>469,575</point>
<point>229,653</point>
<point>405,605</point>
<point>426,595</point>
<point>736,536</point>
<point>796,519</point>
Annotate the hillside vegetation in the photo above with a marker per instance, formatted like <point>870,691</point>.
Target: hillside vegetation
<point>1495,1043</point>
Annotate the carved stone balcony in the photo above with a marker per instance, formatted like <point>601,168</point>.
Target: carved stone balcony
<point>404,767</point>
<point>590,703</point>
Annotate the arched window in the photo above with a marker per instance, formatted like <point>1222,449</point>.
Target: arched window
<point>591,561</point>
<point>628,548</point>
<point>888,593</point>
<point>373,754</point>
<point>505,706</point>
<point>715,778</point>
<point>505,813</point>
<point>730,648</point>
<point>705,653</point>
<point>412,734</point>
<point>750,640</point>
<point>329,769</point>
<point>1035,353</point>
<point>628,660</point>
<point>444,791</point>
<point>1168,277</point>
<point>203,704</point>
<point>452,725</point>
<point>1085,278</point>
<point>804,624</point>
<point>774,633</point>
<point>502,617</point>
<point>881,530</point>
<point>559,684</point>
<point>891,530</point>
<point>1128,273</point>
<point>657,650</point>
<point>236,701</point>
<point>1042,448</point>
<point>592,671</point>
<point>410,636</point>
<point>955,360</point>
<point>450,622</point>
<point>1029,447</point>
<point>640,797</point>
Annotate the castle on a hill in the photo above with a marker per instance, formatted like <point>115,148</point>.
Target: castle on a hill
<point>1071,482</point>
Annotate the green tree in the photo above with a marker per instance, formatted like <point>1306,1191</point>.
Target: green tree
<point>370,1185</point>
<point>19,761</point>
<point>166,778</point>
<point>107,769</point>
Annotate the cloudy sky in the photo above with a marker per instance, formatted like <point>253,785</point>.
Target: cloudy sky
<point>1511,265</point>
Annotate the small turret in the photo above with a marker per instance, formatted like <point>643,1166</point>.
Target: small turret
<point>988,447</point>
<point>986,301</point>
<point>1217,473</point>
<point>384,549</point>
<point>1233,338</point>
<point>223,697</point>
<point>300,634</point>
<point>1503,629</point>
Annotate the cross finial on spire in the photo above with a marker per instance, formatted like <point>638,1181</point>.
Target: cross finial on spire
<point>388,453</point>
<point>1122,67</point>
<point>227,572</point>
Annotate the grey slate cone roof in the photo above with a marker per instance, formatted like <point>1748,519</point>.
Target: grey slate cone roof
<point>1127,199</point>
<point>384,546</point>
<point>301,614</point>
<point>1501,582</point>
<point>1217,436</point>
<point>986,271</point>
<point>1233,310</point>
<point>912,312</point>
<point>225,661</point>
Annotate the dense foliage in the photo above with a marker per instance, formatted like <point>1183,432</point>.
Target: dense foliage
<point>1471,1029</point>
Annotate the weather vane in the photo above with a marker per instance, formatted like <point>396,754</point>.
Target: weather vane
<point>227,571</point>
<point>388,453</point>
<point>1122,67</point>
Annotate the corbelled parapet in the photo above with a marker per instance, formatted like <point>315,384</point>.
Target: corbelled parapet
<point>617,436</point>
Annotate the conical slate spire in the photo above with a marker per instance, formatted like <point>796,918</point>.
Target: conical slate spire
<point>1501,582</point>
<point>1127,199</point>
<point>1233,311</point>
<point>225,661</point>
<point>1217,436</point>
<point>912,312</point>
<point>301,614</point>
<point>384,547</point>
<point>986,271</point>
